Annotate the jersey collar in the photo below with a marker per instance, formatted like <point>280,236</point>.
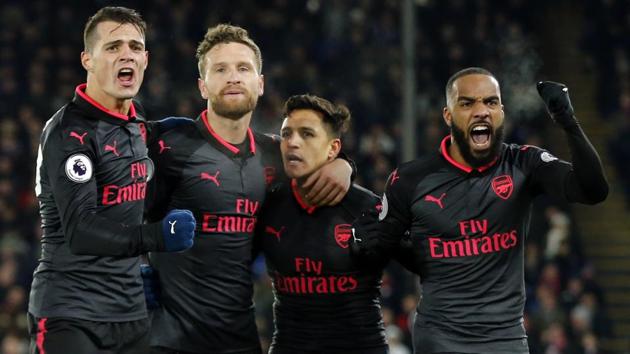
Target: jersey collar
<point>446,142</point>
<point>223,144</point>
<point>97,110</point>
<point>310,209</point>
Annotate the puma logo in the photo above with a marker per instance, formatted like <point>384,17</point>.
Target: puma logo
<point>112,148</point>
<point>163,146</point>
<point>78,137</point>
<point>438,201</point>
<point>172,226</point>
<point>273,231</point>
<point>212,178</point>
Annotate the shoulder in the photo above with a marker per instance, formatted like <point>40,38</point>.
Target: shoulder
<point>179,140</point>
<point>527,155</point>
<point>69,129</point>
<point>421,166</point>
<point>407,175</point>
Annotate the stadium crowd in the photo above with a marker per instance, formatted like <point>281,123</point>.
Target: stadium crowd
<point>348,50</point>
<point>606,46</point>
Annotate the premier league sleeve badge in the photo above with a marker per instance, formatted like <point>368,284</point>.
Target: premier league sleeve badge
<point>79,168</point>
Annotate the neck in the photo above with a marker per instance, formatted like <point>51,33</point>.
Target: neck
<point>300,190</point>
<point>233,131</point>
<point>455,153</point>
<point>111,103</point>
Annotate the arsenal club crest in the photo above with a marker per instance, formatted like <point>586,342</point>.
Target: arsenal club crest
<point>343,232</point>
<point>503,186</point>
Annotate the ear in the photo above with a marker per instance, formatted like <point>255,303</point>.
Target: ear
<point>202,88</point>
<point>335,148</point>
<point>261,84</point>
<point>146,59</point>
<point>446,114</point>
<point>86,61</point>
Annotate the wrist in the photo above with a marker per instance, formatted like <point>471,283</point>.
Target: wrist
<point>151,238</point>
<point>567,122</point>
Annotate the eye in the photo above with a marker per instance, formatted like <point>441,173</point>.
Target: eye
<point>219,70</point>
<point>308,134</point>
<point>285,134</point>
<point>465,104</point>
<point>493,103</point>
<point>243,68</point>
<point>112,48</point>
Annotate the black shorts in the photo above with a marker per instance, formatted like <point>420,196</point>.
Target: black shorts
<point>60,335</point>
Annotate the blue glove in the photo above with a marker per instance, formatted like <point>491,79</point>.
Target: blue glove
<point>151,286</point>
<point>178,229</point>
<point>169,123</point>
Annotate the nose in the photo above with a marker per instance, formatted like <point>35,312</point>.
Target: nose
<point>234,77</point>
<point>126,53</point>
<point>480,110</point>
<point>292,140</point>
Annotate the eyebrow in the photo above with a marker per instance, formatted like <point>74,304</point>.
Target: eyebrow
<point>120,41</point>
<point>484,99</point>
<point>224,63</point>
<point>302,128</point>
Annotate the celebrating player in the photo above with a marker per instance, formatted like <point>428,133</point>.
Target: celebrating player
<point>92,173</point>
<point>467,208</point>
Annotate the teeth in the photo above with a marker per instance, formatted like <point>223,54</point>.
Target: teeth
<point>479,129</point>
<point>126,71</point>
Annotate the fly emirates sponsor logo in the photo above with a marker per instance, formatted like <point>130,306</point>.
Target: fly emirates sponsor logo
<point>243,220</point>
<point>310,280</point>
<point>114,194</point>
<point>473,245</point>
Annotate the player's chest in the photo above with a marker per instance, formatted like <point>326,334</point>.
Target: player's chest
<point>292,242</point>
<point>465,205</point>
<point>213,181</point>
<point>123,167</point>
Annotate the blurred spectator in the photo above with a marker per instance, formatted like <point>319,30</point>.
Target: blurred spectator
<point>619,145</point>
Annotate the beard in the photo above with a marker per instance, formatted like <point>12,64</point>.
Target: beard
<point>477,160</point>
<point>233,110</point>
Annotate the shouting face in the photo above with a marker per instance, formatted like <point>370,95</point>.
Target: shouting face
<point>475,115</point>
<point>115,63</point>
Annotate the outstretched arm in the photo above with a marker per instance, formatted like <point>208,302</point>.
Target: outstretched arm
<point>585,181</point>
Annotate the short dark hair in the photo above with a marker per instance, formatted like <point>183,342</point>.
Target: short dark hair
<point>224,33</point>
<point>337,116</point>
<point>465,72</point>
<point>116,14</point>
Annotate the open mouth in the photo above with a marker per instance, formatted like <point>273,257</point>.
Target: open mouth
<point>293,159</point>
<point>125,75</point>
<point>481,135</point>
